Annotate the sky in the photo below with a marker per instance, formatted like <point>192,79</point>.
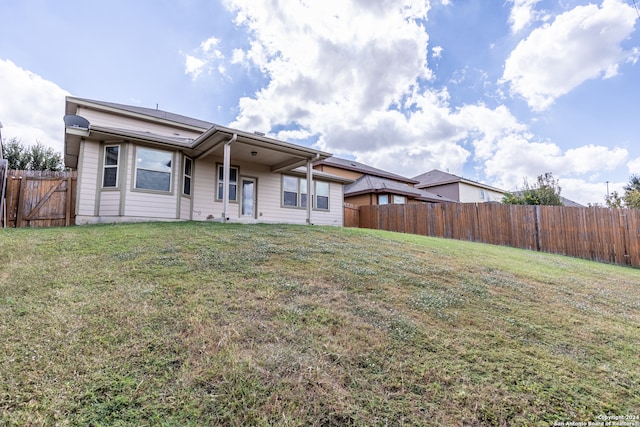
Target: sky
<point>495,91</point>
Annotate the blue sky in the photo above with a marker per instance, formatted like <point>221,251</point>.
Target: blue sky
<point>492,91</point>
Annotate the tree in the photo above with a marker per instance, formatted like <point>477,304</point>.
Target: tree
<point>631,197</point>
<point>546,191</point>
<point>614,200</point>
<point>35,157</point>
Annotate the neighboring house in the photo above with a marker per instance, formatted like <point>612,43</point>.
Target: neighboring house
<point>570,203</point>
<point>373,186</point>
<point>457,188</point>
<point>565,202</point>
<point>139,164</point>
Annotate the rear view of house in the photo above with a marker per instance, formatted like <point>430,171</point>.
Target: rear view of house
<point>140,164</point>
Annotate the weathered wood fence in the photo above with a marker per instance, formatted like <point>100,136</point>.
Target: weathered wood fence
<point>40,198</point>
<point>606,235</point>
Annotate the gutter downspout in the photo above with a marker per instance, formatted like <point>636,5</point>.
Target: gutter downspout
<point>310,186</point>
<point>226,169</point>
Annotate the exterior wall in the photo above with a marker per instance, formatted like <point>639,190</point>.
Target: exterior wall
<point>185,207</point>
<point>473,194</point>
<point>101,118</point>
<point>339,172</point>
<point>362,199</point>
<point>269,194</point>
<point>88,178</point>
<point>450,191</point>
<point>144,202</point>
<point>125,203</point>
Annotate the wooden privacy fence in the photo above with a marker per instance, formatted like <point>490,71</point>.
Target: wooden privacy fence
<point>607,235</point>
<point>40,198</point>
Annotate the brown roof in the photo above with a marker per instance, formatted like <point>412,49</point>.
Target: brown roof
<point>352,165</point>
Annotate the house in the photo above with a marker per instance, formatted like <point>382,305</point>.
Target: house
<point>140,164</point>
<point>373,186</point>
<point>457,188</point>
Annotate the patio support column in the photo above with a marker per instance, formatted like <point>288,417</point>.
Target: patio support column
<point>226,172</point>
<point>309,189</point>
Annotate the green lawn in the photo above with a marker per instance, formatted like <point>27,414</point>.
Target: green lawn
<point>190,324</point>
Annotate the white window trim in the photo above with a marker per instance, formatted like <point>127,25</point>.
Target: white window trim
<point>185,176</point>
<point>219,181</point>
<point>116,166</point>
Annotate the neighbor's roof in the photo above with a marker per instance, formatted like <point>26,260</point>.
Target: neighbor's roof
<point>352,165</point>
<point>374,184</point>
<point>437,177</point>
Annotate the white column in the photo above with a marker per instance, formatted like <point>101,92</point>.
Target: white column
<point>226,172</point>
<point>309,189</point>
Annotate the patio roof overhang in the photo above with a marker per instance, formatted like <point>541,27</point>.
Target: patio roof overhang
<point>249,147</point>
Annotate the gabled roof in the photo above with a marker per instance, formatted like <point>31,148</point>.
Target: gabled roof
<point>141,112</point>
<point>437,177</point>
<point>354,166</point>
<point>375,184</point>
<point>210,139</point>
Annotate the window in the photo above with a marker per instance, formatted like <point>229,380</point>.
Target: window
<point>322,195</point>
<point>399,200</point>
<point>153,169</point>
<point>110,170</point>
<point>383,199</point>
<point>233,183</point>
<point>481,194</point>
<point>294,191</point>
<point>186,186</point>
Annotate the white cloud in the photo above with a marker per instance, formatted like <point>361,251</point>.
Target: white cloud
<point>579,45</point>
<point>206,58</point>
<point>350,76</point>
<point>522,14</point>
<point>32,108</point>
<point>516,157</point>
<point>437,51</point>
<point>634,166</point>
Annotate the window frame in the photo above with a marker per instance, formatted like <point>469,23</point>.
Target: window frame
<point>220,181</point>
<point>398,196</point>
<point>301,193</point>
<point>105,166</point>
<point>136,168</point>
<point>187,176</point>
<point>328,195</point>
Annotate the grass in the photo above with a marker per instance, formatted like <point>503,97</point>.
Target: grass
<point>189,324</point>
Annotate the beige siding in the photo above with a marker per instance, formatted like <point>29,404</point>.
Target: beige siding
<point>185,208</point>
<point>99,118</point>
<point>204,190</point>
<point>109,203</point>
<point>268,207</point>
<point>335,215</point>
<point>149,204</point>
<point>154,205</point>
<point>88,178</point>
<point>472,194</point>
